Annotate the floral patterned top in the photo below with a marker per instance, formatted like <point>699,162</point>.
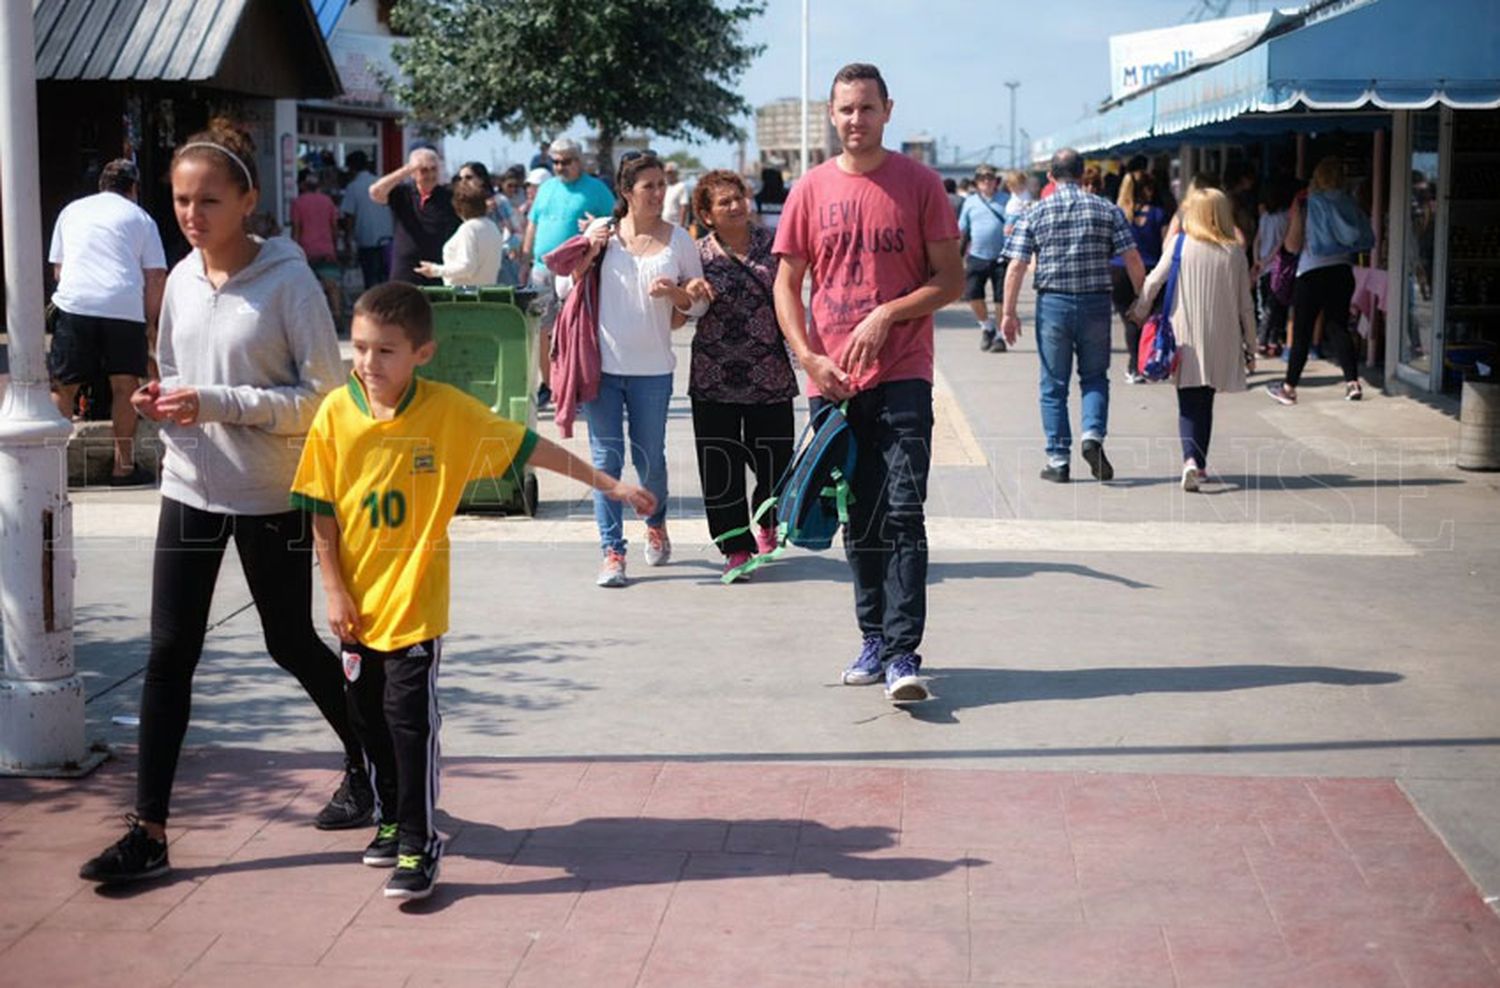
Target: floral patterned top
<point>739,355</point>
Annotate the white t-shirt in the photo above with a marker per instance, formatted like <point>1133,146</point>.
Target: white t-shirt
<point>676,200</point>
<point>635,330</point>
<point>105,244</point>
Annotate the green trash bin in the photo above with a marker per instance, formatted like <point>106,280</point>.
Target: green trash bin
<point>485,348</point>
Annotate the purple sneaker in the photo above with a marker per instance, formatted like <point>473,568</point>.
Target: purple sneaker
<point>903,680</point>
<point>866,667</point>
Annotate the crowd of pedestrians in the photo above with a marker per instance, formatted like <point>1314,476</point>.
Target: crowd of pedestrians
<point>875,237</point>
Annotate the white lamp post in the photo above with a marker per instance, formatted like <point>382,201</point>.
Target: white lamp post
<point>41,696</point>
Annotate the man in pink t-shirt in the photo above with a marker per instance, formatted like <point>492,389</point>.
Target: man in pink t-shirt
<point>876,232</point>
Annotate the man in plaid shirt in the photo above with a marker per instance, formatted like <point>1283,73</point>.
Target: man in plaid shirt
<point>1073,234</point>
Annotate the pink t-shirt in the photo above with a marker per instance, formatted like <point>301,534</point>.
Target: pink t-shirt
<point>315,215</point>
<point>865,239</point>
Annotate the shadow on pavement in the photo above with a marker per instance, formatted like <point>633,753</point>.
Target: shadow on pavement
<point>960,689</point>
<point>1225,483</point>
<point>830,566</point>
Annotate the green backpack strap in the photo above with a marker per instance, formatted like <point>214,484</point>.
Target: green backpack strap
<point>765,506</point>
<point>756,562</point>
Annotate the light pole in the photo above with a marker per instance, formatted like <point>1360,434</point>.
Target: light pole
<point>803,169</point>
<point>41,696</point>
<point>1015,152</point>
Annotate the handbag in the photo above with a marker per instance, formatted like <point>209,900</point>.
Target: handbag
<point>1158,356</point>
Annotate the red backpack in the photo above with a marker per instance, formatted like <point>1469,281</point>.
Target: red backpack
<point>1158,356</point>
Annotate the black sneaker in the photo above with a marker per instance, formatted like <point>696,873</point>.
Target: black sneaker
<point>1093,455</point>
<point>382,851</point>
<point>986,338</point>
<point>543,396</point>
<point>352,805</point>
<point>414,877</point>
<point>137,477</point>
<point>997,345</point>
<point>1057,473</point>
<point>133,858</point>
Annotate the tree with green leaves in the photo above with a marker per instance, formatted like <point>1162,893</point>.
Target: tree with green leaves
<point>667,67</point>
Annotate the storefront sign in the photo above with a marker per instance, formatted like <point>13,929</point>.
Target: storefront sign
<point>1143,57</point>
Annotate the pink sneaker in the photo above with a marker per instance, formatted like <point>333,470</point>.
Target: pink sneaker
<point>765,539</point>
<point>658,546</point>
<point>736,559</point>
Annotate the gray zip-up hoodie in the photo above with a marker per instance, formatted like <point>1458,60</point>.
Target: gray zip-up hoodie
<point>262,353</point>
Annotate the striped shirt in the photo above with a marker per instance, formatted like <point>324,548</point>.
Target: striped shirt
<point>1073,234</point>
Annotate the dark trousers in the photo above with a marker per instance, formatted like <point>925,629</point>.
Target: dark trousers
<point>730,439</point>
<point>1195,423</point>
<point>886,538</point>
<point>1273,313</point>
<point>1326,291</point>
<point>276,554</point>
<point>374,265</point>
<point>1122,295</point>
<point>393,706</point>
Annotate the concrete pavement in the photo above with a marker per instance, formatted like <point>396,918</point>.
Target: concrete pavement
<point>1327,614</point>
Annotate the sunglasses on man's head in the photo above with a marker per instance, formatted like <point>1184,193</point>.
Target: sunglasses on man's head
<point>633,155</point>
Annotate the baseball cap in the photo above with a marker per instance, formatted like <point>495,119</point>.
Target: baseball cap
<point>537,176</point>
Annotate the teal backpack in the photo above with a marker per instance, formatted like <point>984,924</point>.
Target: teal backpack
<point>812,498</point>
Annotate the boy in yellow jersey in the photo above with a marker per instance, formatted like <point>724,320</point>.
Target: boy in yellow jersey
<point>385,463</point>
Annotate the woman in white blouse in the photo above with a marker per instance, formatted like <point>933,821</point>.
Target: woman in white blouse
<point>1212,317</point>
<point>650,283</point>
<point>472,255</point>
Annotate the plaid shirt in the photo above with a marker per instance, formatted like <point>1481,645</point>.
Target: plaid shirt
<point>1074,234</point>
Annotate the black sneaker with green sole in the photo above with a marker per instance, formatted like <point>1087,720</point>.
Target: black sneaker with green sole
<point>135,857</point>
<point>414,877</point>
<point>383,850</point>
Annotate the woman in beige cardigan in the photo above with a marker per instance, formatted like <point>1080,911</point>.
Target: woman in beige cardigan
<point>1212,317</point>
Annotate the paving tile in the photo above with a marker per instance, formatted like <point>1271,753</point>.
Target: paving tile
<point>713,957</point>
<point>908,955</point>
<point>596,959</point>
<point>19,912</point>
<point>801,901</point>
<point>1068,953</point>
<point>212,911</point>
<point>887,864</point>
<point>620,907</point>
<point>750,837</point>
<point>968,809</point>
<point>212,974</point>
<point>1214,956</point>
<point>1163,902</point>
<point>520,904</point>
<point>102,907</point>
<point>498,952</point>
<point>719,864</point>
<point>1235,799</point>
<point>634,834</point>
<point>103,957</point>
<point>288,947</point>
<point>600,864</point>
<point>922,905</point>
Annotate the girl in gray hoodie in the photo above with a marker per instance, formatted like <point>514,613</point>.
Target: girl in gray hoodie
<point>247,351</point>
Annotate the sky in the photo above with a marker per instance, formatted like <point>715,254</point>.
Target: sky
<point>946,63</point>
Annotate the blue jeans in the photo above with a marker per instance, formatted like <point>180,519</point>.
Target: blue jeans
<point>643,400</point>
<point>1066,325</point>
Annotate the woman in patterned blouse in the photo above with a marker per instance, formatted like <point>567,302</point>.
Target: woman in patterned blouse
<point>742,384</point>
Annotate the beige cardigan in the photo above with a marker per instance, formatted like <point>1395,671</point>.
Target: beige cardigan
<point>1213,317</point>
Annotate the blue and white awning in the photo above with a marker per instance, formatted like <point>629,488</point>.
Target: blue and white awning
<point>1381,54</point>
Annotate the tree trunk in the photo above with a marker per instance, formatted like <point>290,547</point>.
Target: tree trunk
<point>606,163</point>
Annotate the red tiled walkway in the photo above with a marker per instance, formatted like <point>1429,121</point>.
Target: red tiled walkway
<point>653,874</point>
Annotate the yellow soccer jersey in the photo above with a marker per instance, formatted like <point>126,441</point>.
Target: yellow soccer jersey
<point>393,486</point>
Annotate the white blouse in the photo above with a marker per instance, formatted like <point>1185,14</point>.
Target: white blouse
<point>635,330</point>
<point>472,255</point>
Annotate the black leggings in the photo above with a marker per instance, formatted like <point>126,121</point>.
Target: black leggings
<point>1325,290</point>
<point>1195,423</point>
<point>276,554</point>
<point>731,438</point>
<point>1273,314</point>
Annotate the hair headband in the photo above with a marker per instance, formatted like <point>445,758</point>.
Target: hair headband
<point>232,157</point>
